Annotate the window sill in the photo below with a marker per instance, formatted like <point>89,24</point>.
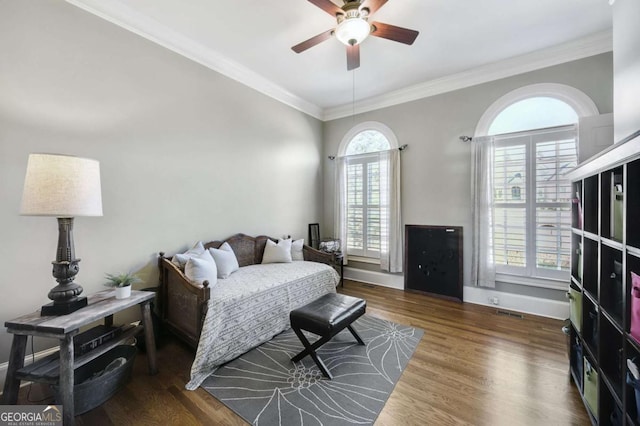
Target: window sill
<point>362,259</point>
<point>552,283</point>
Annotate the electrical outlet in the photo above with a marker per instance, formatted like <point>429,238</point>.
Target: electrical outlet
<point>494,300</point>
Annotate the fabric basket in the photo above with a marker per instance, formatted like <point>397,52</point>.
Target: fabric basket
<point>635,384</point>
<point>591,387</point>
<point>575,306</point>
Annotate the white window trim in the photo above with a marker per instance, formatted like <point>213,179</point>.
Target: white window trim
<point>578,100</point>
<point>386,131</point>
<point>362,259</point>
<point>552,283</point>
<point>531,274</point>
<point>584,107</point>
<point>362,127</point>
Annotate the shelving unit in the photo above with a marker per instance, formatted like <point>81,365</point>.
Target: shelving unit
<point>605,249</point>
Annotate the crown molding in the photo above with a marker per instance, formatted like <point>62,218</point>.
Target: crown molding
<point>588,46</point>
<point>120,14</point>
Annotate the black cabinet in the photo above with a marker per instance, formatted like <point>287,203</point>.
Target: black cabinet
<point>433,260</point>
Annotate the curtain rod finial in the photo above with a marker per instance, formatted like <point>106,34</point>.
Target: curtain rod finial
<point>466,138</point>
<point>332,157</point>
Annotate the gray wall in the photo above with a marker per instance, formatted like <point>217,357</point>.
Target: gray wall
<point>436,167</point>
<point>186,153</point>
<point>626,65</point>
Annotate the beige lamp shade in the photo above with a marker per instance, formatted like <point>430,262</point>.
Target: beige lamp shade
<point>61,186</point>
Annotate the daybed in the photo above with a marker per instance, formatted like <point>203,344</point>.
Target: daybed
<point>244,310</point>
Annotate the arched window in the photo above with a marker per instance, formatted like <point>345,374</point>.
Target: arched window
<point>533,140</point>
<point>367,163</point>
<point>370,136</point>
<point>367,141</point>
<point>533,113</point>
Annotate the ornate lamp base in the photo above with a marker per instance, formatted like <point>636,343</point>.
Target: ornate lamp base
<point>65,268</point>
<point>63,308</point>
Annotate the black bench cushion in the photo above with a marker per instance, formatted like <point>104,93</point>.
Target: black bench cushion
<point>329,312</point>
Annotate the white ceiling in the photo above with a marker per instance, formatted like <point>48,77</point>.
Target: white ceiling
<point>461,43</point>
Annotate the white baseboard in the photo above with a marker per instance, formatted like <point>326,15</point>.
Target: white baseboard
<point>374,277</point>
<point>517,302</point>
<point>476,295</point>
<point>27,360</point>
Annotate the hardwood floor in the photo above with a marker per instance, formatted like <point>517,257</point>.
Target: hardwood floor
<point>472,367</point>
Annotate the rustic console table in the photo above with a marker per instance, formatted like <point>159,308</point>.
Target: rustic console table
<point>58,368</point>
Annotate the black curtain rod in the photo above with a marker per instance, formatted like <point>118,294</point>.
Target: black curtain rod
<point>466,138</point>
<point>400,148</point>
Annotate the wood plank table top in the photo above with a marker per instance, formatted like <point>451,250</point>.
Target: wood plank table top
<point>100,305</point>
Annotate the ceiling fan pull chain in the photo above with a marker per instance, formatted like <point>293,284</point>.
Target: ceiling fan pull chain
<point>353,99</point>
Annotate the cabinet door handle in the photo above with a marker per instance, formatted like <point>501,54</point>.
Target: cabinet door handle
<point>613,275</point>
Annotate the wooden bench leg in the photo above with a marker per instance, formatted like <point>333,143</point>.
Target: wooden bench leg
<point>149,338</point>
<point>16,362</point>
<point>67,380</point>
<point>310,349</point>
<point>308,346</point>
<point>356,335</point>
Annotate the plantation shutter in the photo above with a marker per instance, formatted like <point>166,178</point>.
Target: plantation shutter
<point>532,227</point>
<point>363,205</point>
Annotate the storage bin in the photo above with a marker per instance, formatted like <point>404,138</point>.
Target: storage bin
<point>591,387</point>
<point>616,219</point>
<point>616,417</point>
<point>575,305</point>
<point>635,384</point>
<point>576,360</point>
<point>88,392</point>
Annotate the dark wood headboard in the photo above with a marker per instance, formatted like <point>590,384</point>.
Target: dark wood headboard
<point>248,250</point>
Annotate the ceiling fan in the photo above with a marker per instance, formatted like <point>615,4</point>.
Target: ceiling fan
<point>354,26</point>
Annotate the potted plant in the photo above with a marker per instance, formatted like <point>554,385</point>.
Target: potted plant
<point>122,283</point>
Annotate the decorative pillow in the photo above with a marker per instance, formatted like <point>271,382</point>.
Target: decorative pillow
<point>180,259</point>
<point>277,253</point>
<point>226,260</point>
<point>201,268</point>
<point>296,249</point>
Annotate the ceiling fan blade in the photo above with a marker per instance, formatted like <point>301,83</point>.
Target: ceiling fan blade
<point>372,5</point>
<point>353,57</point>
<point>328,6</point>
<point>391,32</point>
<point>301,47</point>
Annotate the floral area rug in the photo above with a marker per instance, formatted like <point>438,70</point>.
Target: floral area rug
<point>265,387</point>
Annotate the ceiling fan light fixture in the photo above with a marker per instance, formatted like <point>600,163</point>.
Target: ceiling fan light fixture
<point>352,31</point>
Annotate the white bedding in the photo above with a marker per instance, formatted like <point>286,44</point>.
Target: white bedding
<point>253,305</point>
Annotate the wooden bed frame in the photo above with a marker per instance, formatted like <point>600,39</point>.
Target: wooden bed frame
<point>183,306</point>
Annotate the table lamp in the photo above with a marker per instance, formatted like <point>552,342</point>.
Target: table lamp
<point>64,187</point>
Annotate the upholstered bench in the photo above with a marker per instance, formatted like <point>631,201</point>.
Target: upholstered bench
<point>326,317</point>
